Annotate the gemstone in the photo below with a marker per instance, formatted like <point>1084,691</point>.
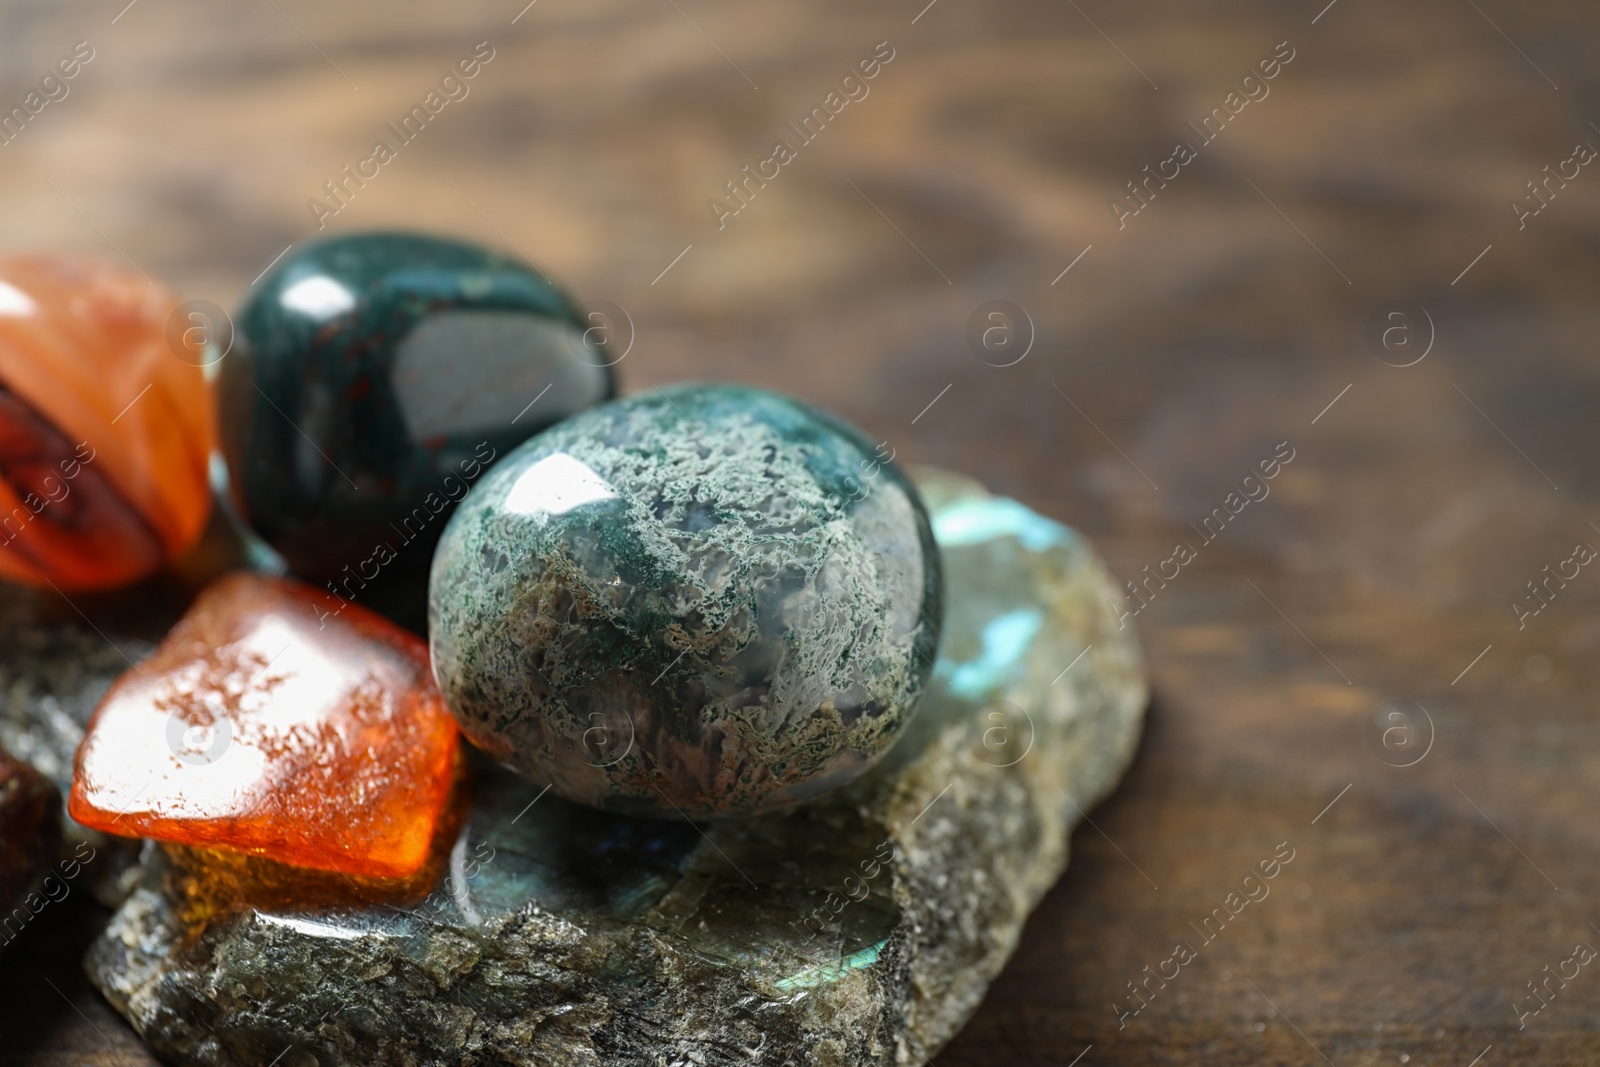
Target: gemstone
<point>277,720</point>
<point>104,431</point>
<point>30,833</point>
<point>862,928</point>
<point>702,601</point>
<point>375,377</point>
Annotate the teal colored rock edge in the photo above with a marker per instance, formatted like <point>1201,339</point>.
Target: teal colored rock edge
<point>862,928</point>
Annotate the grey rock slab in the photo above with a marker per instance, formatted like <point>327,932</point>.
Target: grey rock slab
<point>52,675</point>
<point>863,928</point>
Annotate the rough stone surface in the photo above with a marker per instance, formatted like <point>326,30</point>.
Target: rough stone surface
<point>863,928</point>
<point>52,674</point>
<point>704,600</point>
<point>51,678</point>
<point>30,834</point>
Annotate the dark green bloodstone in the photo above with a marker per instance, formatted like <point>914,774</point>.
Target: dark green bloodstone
<point>706,600</point>
<point>373,377</point>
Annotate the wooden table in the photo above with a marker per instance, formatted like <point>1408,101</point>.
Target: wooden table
<point>1172,354</point>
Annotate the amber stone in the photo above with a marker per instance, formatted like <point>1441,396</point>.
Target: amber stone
<point>276,720</point>
<point>105,432</point>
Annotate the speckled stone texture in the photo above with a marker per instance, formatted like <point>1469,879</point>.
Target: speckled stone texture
<point>30,836</point>
<point>705,600</point>
<point>863,928</point>
<point>52,674</point>
<point>51,677</point>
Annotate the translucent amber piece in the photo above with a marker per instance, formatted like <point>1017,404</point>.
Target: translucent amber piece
<point>279,721</point>
<point>104,430</point>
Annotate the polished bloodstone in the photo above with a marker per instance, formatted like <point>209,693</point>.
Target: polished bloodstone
<point>104,431</point>
<point>30,833</point>
<point>375,377</point>
<point>860,929</point>
<point>277,720</point>
<point>705,600</point>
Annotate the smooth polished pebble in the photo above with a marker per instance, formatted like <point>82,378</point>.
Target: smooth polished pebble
<point>374,378</point>
<point>704,600</point>
<point>104,430</point>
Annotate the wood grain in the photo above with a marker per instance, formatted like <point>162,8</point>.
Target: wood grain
<point>1177,353</point>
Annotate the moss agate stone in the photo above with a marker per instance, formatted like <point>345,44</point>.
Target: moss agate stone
<point>862,928</point>
<point>373,377</point>
<point>707,600</point>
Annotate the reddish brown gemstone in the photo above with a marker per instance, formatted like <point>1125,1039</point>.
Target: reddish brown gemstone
<point>30,827</point>
<point>277,720</point>
<point>104,429</point>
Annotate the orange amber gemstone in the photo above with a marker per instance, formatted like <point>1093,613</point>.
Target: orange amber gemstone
<point>105,432</point>
<point>278,720</point>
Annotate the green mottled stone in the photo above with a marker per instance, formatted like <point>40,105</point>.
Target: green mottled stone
<point>706,600</point>
<point>863,928</point>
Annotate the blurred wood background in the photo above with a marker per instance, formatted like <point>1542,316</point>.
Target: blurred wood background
<point>1175,354</point>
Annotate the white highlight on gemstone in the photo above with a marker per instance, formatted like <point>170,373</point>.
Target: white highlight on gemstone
<point>14,301</point>
<point>555,485</point>
<point>314,929</point>
<point>319,297</point>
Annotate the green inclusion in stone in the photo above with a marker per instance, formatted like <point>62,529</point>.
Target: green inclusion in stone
<point>706,600</point>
